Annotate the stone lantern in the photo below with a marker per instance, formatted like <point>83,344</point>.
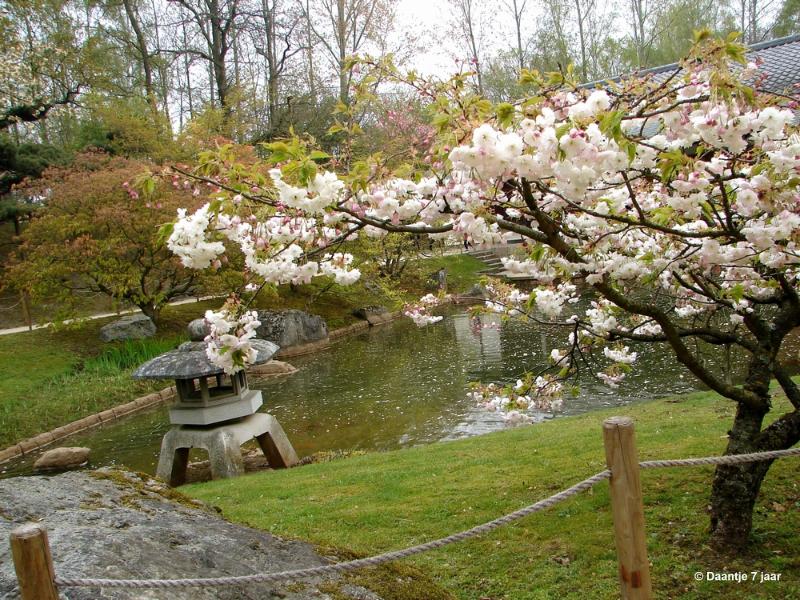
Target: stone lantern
<point>214,411</point>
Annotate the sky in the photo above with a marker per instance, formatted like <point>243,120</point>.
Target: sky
<point>431,19</point>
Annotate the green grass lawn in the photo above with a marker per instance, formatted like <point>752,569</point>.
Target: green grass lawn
<point>377,502</point>
<point>49,377</point>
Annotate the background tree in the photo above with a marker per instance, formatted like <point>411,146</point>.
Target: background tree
<point>788,20</point>
<point>45,61</point>
<point>469,23</point>
<point>97,235</point>
<point>344,28</point>
<point>517,9</point>
<point>213,21</point>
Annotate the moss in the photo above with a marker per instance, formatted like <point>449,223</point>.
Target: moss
<point>93,505</point>
<point>143,485</point>
<point>399,582</point>
<point>329,455</point>
<point>334,590</point>
<point>391,581</point>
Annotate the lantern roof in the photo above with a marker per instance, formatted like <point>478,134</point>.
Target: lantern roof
<point>189,360</point>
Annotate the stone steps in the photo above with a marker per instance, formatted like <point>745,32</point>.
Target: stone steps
<point>493,264</point>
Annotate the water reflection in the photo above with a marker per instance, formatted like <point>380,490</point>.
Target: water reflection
<point>397,386</point>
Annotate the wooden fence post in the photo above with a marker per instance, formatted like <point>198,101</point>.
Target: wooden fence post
<point>628,511</point>
<point>26,309</point>
<point>33,562</point>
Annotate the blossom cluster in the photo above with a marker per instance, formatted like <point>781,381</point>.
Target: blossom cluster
<point>517,402</point>
<point>274,249</point>
<point>228,344</point>
<point>419,312</point>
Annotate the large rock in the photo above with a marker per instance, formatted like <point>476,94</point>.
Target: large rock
<point>291,327</point>
<point>198,329</point>
<point>133,327</point>
<point>61,459</point>
<point>272,368</point>
<point>112,524</point>
<point>477,291</point>
<point>439,279</point>
<point>374,315</point>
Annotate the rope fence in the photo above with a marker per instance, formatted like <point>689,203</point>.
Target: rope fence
<point>623,473</point>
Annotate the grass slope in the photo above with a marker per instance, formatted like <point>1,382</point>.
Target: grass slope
<point>376,502</point>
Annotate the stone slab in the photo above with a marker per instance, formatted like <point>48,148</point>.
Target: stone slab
<point>119,525</point>
<point>272,368</point>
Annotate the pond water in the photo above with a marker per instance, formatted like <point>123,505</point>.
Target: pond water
<point>395,386</point>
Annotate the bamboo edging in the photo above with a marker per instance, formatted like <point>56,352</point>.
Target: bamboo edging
<point>41,440</point>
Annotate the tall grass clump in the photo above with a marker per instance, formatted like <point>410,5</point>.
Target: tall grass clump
<point>127,355</point>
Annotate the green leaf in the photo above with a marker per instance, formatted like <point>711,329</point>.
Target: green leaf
<point>528,77</point>
<point>335,128</point>
<point>736,52</point>
<point>441,121</point>
<point>611,124</point>
<point>164,232</point>
<point>308,171</point>
<point>505,113</point>
<point>484,107</point>
<point>554,78</point>
<point>278,151</point>
<point>319,155</point>
<point>147,186</point>
<point>736,293</point>
<point>630,149</point>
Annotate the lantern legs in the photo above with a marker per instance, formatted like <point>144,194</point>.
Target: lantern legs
<point>223,443</point>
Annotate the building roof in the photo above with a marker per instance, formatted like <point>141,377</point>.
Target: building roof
<point>780,61</point>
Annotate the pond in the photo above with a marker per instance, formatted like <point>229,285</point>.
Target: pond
<point>395,386</point>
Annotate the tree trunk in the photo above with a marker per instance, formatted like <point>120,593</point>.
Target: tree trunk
<point>152,311</point>
<point>341,42</point>
<point>144,55</point>
<point>735,487</point>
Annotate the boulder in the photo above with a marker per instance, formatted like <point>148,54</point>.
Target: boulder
<point>198,329</point>
<point>119,525</point>
<point>477,291</point>
<point>291,327</point>
<point>62,459</point>
<point>271,369</point>
<point>374,315</point>
<point>133,327</point>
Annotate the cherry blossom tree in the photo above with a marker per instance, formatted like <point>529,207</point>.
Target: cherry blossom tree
<point>655,211</point>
